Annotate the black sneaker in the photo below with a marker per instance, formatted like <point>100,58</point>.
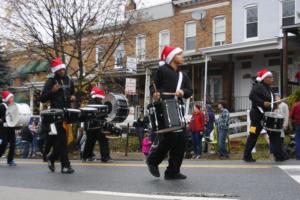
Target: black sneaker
<point>67,170</point>
<point>51,165</point>
<point>153,169</point>
<point>178,176</point>
<point>249,160</point>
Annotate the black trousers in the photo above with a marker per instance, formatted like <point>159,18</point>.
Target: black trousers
<point>174,144</point>
<point>255,129</point>
<point>7,135</point>
<point>92,137</point>
<point>60,149</point>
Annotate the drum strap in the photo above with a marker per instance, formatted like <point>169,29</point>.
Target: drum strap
<point>4,104</point>
<point>179,81</point>
<point>272,101</point>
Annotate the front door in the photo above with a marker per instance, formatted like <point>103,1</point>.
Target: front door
<point>215,88</point>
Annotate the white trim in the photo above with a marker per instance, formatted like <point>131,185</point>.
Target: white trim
<point>159,41</point>
<point>172,54</point>
<point>185,34</point>
<point>97,96</point>
<point>227,3</point>
<point>58,67</point>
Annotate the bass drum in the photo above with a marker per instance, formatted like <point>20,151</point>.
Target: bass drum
<point>117,107</point>
<point>18,115</point>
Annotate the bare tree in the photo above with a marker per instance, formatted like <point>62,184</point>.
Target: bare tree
<point>69,29</point>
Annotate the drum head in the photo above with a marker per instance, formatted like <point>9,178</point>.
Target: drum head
<point>117,107</point>
<point>18,115</point>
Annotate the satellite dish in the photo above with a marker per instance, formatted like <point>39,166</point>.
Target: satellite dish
<point>199,14</point>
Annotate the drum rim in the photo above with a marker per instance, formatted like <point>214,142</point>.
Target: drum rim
<point>96,106</point>
<point>88,109</point>
<point>73,109</point>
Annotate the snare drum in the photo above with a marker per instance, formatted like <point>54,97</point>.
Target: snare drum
<point>273,121</point>
<point>88,113</point>
<point>117,107</point>
<point>166,116</point>
<point>18,115</point>
<point>71,115</point>
<point>102,109</point>
<point>52,116</point>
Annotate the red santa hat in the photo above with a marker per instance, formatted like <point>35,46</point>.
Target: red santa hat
<point>97,93</point>
<point>262,74</point>
<point>57,64</point>
<point>6,95</point>
<point>168,54</point>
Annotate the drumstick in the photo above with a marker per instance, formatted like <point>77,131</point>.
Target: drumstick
<point>169,93</point>
<point>281,100</point>
<point>154,86</point>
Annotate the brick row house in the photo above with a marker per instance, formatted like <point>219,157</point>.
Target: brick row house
<point>232,38</point>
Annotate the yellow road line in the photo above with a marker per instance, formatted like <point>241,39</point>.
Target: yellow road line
<point>220,166</point>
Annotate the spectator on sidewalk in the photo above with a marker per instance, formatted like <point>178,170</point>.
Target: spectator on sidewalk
<point>209,127</point>
<point>33,127</point>
<point>26,139</point>
<point>146,145</point>
<point>140,126</point>
<point>222,129</point>
<point>295,117</point>
<point>197,128</point>
<point>283,109</point>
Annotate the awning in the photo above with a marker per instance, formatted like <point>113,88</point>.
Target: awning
<point>31,68</point>
<point>28,69</point>
<point>43,66</point>
<point>243,47</point>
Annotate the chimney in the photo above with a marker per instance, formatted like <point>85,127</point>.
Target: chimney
<point>130,6</point>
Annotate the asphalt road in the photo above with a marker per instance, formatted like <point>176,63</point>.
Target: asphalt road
<point>124,180</point>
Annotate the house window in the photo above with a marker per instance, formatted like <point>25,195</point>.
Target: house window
<point>119,56</point>
<point>141,48</point>
<point>288,12</point>
<point>99,56</point>
<point>219,31</point>
<point>251,22</point>
<point>164,40</point>
<point>190,36</point>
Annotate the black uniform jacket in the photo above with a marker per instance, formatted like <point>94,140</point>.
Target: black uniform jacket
<point>2,118</point>
<point>61,98</point>
<point>166,80</point>
<point>259,94</point>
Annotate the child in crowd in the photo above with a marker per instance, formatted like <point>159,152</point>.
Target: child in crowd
<point>146,145</point>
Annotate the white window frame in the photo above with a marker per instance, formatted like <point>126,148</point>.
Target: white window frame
<point>214,30</point>
<point>185,29</point>
<point>281,11</point>
<point>160,46</point>
<point>115,56</point>
<point>97,58</point>
<point>245,22</point>
<point>141,56</point>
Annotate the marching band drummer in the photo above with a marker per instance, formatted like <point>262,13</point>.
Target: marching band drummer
<point>94,131</point>
<point>166,80</point>
<point>7,134</point>
<point>262,99</point>
<point>59,90</point>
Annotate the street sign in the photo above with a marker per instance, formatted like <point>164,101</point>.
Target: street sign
<point>130,86</point>
<point>131,64</point>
